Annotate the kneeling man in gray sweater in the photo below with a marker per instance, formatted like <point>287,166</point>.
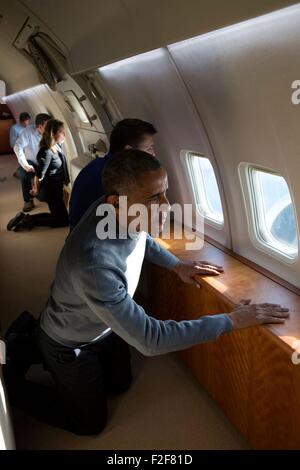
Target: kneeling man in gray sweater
<point>91,318</point>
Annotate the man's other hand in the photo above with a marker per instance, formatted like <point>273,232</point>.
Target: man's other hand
<point>186,270</point>
<point>246,314</point>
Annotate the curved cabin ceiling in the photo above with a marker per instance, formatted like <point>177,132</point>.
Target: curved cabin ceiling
<point>98,32</point>
<point>17,72</point>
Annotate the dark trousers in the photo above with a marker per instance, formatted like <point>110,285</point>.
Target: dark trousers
<point>58,216</point>
<point>26,178</point>
<point>83,378</point>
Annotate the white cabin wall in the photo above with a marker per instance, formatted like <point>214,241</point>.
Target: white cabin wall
<point>148,87</point>
<point>237,82</point>
<point>240,81</point>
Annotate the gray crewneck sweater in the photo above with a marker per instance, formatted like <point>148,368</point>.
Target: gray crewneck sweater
<point>89,297</point>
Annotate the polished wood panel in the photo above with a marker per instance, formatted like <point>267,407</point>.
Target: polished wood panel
<point>271,407</point>
<point>248,372</point>
<point>5,125</point>
<point>241,281</point>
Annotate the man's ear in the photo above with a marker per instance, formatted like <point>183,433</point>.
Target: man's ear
<point>113,199</point>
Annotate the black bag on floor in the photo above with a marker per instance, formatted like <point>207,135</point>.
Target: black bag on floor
<point>21,353</point>
<point>21,344</point>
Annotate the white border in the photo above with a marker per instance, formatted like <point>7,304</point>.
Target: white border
<point>184,154</point>
<point>258,243</point>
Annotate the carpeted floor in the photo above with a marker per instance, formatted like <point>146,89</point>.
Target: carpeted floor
<point>164,409</point>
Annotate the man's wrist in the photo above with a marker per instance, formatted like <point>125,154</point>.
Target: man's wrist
<point>231,318</point>
<point>176,266</point>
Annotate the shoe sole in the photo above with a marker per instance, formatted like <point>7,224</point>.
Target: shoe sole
<point>21,228</point>
<point>15,220</point>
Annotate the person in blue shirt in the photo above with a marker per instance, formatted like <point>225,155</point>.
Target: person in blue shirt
<point>15,131</point>
<point>26,149</point>
<point>87,188</point>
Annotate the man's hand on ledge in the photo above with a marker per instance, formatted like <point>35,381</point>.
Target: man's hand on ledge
<point>186,270</point>
<point>245,314</point>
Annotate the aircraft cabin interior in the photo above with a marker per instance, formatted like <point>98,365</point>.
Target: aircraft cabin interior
<point>219,83</point>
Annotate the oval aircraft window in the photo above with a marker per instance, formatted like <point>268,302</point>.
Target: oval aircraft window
<point>274,215</point>
<point>205,188</point>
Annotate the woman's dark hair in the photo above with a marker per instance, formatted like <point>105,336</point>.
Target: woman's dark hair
<point>41,118</point>
<point>24,117</point>
<point>53,126</point>
<point>129,132</point>
<point>123,170</point>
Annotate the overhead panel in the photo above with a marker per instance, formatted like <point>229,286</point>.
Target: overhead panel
<point>99,32</point>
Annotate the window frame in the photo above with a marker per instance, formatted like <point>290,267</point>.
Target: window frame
<point>186,156</point>
<point>79,110</point>
<point>256,223</point>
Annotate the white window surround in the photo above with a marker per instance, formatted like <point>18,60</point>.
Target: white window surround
<point>198,191</point>
<point>260,236</point>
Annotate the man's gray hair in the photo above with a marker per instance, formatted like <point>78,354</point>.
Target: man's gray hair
<point>123,170</point>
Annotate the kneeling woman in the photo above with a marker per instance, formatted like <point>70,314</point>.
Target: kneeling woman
<point>49,180</point>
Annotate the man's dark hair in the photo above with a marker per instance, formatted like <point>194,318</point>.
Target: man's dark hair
<point>123,170</point>
<point>24,116</point>
<point>129,132</point>
<point>41,118</point>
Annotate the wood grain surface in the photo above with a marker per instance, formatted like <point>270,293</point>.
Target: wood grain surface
<point>248,372</point>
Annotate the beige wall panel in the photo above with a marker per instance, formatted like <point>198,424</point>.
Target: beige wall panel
<point>240,81</point>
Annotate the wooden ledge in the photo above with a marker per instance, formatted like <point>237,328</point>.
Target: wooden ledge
<point>241,281</point>
<point>248,372</point>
